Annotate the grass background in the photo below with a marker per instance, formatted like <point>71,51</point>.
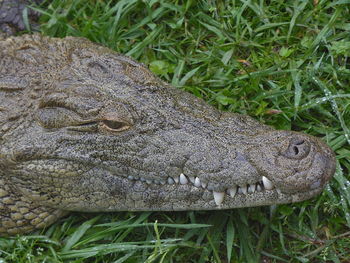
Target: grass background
<point>286,63</point>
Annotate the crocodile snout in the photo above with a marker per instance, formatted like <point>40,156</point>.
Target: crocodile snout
<point>325,159</point>
<point>294,162</point>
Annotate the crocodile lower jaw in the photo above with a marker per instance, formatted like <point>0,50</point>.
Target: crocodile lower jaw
<point>260,186</point>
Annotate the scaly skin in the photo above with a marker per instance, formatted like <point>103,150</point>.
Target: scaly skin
<point>86,129</point>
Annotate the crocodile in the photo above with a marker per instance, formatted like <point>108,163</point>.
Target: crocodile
<point>83,128</point>
<point>86,129</point>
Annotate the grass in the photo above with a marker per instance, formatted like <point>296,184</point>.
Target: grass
<point>286,63</point>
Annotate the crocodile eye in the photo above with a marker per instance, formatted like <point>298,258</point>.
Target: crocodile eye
<point>113,125</point>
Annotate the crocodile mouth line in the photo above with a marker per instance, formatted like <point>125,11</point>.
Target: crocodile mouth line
<point>262,186</point>
<point>219,197</point>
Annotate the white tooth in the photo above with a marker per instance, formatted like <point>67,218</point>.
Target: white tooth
<point>267,183</point>
<point>148,181</point>
<point>204,185</point>
<point>244,189</point>
<point>197,182</point>
<point>183,179</point>
<point>176,179</point>
<point>258,188</point>
<point>171,180</point>
<point>191,179</point>
<point>232,191</point>
<point>239,190</point>
<point>130,177</point>
<point>251,188</point>
<point>218,197</point>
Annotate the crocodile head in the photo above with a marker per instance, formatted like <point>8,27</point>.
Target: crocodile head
<point>86,129</point>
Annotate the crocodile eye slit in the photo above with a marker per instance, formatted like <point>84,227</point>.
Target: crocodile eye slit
<point>112,125</point>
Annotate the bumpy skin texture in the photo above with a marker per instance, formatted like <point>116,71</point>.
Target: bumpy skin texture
<point>83,128</point>
<point>11,14</point>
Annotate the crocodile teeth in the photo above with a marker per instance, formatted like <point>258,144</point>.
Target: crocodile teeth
<point>258,188</point>
<point>171,180</point>
<point>218,197</point>
<point>251,188</point>
<point>197,182</point>
<point>267,183</point>
<point>244,189</point>
<point>183,179</point>
<point>191,179</point>
<point>264,184</point>
<point>232,191</point>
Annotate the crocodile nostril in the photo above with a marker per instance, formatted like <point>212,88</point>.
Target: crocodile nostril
<point>297,149</point>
